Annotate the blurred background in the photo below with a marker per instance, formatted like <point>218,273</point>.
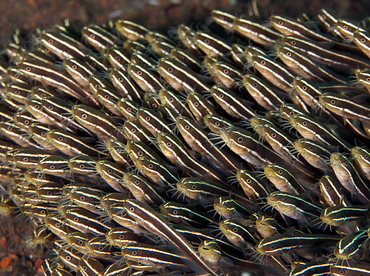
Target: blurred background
<point>155,15</point>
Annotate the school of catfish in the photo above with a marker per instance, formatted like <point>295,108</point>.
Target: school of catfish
<point>236,148</point>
